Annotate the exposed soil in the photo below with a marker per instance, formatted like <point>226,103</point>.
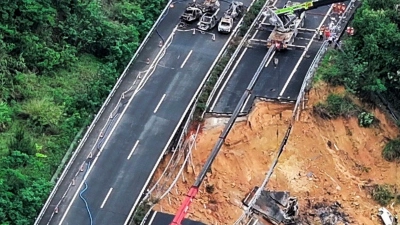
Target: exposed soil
<point>310,169</point>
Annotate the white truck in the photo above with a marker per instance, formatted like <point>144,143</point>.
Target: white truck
<point>234,11</point>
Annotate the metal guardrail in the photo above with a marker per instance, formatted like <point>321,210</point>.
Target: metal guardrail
<point>99,114</point>
<point>191,113</point>
<point>235,54</point>
<point>307,79</point>
<point>314,65</point>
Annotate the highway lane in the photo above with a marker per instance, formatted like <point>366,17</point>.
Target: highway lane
<point>159,218</point>
<point>239,76</point>
<point>314,18</point>
<point>282,82</point>
<point>150,49</point>
<point>115,183</point>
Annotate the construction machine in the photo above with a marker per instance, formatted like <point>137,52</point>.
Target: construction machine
<point>286,26</point>
<point>234,11</point>
<point>288,20</point>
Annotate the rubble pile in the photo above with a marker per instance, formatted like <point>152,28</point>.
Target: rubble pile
<point>326,213</point>
<point>277,207</point>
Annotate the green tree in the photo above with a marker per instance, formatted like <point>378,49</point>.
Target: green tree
<point>21,142</point>
<point>5,115</point>
<point>371,57</point>
<point>58,61</point>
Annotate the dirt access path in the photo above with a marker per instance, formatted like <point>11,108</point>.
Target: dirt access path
<point>308,168</point>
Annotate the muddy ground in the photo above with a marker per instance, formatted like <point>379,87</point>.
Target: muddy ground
<point>311,170</point>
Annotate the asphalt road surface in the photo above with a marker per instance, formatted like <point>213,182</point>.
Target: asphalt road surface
<point>158,218</point>
<point>119,174</point>
<point>282,82</point>
<point>150,50</point>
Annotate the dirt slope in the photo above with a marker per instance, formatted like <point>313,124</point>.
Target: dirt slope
<point>308,167</point>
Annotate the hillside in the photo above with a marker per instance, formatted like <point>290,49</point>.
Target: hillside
<point>308,168</point>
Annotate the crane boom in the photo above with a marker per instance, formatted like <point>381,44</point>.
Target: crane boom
<point>299,8</point>
<point>184,207</point>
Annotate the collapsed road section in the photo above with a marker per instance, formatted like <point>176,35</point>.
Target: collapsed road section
<point>205,173</point>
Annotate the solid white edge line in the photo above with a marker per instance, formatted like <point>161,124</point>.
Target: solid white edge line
<point>133,149</point>
<point>245,103</point>
<point>228,78</point>
<point>304,52</point>
<point>152,218</point>
<point>159,103</point>
<point>108,137</point>
<point>176,128</point>
<point>186,59</point>
<point>105,199</point>
<point>269,60</point>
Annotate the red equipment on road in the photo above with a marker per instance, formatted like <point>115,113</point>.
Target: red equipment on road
<point>183,209</point>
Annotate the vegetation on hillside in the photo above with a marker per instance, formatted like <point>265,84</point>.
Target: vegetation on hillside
<point>369,61</point>
<point>58,61</point>
<point>383,194</point>
<point>335,106</point>
<point>368,64</point>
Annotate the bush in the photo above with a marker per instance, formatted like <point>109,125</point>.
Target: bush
<point>210,188</point>
<point>382,194</point>
<point>335,106</point>
<point>391,151</point>
<point>140,213</point>
<point>365,119</point>
<point>327,70</point>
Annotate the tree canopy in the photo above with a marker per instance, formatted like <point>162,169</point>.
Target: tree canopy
<point>371,58</point>
<point>58,61</point>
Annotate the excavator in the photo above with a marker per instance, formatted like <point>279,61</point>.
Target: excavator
<point>288,20</point>
<point>280,28</point>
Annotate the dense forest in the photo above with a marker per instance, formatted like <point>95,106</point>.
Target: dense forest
<point>370,60</point>
<point>368,65</point>
<point>58,61</point>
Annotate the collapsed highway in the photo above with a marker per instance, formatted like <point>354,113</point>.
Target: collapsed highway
<point>145,128</point>
<point>281,80</point>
